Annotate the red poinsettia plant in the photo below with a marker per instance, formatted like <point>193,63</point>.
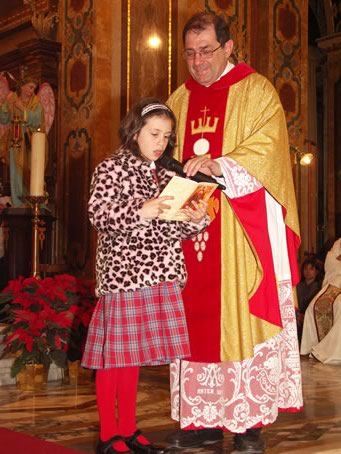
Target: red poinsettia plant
<point>45,318</point>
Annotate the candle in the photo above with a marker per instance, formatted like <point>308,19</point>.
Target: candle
<point>37,164</point>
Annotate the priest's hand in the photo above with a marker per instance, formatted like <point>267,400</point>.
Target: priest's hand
<point>202,164</point>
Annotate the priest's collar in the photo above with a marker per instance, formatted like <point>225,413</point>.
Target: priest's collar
<point>230,76</point>
<point>228,68</point>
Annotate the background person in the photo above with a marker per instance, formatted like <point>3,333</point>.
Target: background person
<point>307,288</point>
<point>322,322</point>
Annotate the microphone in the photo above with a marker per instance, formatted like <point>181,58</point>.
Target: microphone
<point>170,163</point>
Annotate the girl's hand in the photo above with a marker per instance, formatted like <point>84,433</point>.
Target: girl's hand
<point>152,208</point>
<point>196,211</point>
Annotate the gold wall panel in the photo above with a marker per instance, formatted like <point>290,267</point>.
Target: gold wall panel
<point>15,13</point>
<point>146,50</point>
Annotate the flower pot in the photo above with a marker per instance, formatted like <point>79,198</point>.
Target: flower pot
<point>32,377</point>
<point>79,375</point>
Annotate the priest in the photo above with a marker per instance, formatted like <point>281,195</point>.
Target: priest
<point>244,366</point>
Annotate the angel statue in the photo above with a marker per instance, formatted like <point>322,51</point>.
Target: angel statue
<point>21,113</point>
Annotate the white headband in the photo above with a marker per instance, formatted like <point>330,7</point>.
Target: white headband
<point>150,107</point>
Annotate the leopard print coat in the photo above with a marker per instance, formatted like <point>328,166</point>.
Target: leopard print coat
<point>132,252</point>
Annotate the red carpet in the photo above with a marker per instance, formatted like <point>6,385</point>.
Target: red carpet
<point>16,443</point>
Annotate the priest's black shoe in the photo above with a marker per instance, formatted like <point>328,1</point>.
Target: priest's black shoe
<point>249,443</point>
<point>139,448</point>
<point>195,438</point>
<point>105,447</point>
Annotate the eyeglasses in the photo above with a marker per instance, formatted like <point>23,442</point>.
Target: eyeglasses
<point>205,54</point>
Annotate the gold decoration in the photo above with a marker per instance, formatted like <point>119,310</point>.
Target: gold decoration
<point>16,131</point>
<point>204,124</point>
<point>204,127</point>
<point>37,231</point>
<point>41,233</point>
<point>44,22</point>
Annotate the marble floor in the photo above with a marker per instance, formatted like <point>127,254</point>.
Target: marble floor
<point>67,414</point>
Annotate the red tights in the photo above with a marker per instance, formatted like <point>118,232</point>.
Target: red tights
<point>117,387</point>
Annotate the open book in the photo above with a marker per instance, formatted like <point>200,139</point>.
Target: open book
<point>184,192</point>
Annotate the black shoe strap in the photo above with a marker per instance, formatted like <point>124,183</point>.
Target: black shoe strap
<point>105,445</point>
<point>133,437</point>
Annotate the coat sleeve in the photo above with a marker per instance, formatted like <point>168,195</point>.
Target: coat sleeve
<point>190,229</point>
<point>109,211</point>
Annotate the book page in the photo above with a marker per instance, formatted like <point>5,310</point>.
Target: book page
<point>184,192</point>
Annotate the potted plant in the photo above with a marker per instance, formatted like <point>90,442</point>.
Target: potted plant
<point>40,314</point>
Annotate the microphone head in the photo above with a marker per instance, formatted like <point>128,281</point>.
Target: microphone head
<point>165,161</point>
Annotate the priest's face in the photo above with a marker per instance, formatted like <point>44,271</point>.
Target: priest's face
<point>206,58</point>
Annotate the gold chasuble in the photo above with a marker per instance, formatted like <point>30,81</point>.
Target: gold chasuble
<point>224,268</point>
<point>324,311</point>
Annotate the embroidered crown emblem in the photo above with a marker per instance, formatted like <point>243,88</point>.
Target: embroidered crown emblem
<point>204,123</point>
<point>204,126</point>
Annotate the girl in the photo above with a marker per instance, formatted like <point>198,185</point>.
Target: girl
<point>140,270</point>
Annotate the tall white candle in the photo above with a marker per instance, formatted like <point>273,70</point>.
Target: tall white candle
<point>37,164</point>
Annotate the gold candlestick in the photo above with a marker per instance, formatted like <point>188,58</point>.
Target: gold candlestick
<point>35,201</point>
<point>16,131</point>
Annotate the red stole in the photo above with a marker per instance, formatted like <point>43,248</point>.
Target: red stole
<point>202,294</point>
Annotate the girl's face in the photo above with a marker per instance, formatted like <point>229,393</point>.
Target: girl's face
<point>154,136</point>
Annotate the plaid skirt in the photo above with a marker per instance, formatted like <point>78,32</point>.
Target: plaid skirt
<point>146,327</point>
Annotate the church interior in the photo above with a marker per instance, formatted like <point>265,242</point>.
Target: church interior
<point>93,60</point>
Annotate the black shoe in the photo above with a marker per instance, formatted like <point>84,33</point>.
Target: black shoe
<point>105,447</point>
<point>195,438</point>
<point>139,448</point>
<point>249,443</point>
